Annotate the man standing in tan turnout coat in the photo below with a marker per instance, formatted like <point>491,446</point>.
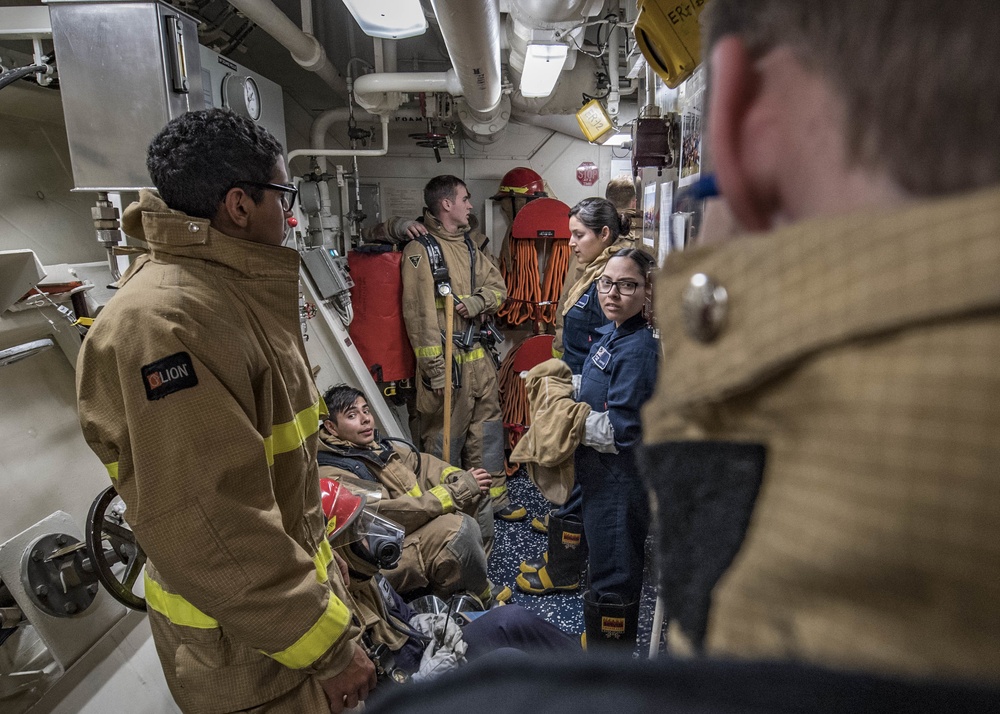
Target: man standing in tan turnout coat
<point>476,438</point>
<point>195,392</point>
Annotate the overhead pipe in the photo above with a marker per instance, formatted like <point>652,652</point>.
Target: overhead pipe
<point>321,125</point>
<point>304,48</point>
<point>471,32</point>
<point>347,152</point>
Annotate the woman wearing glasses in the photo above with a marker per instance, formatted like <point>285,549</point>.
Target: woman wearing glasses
<point>597,231</point>
<point>618,377</point>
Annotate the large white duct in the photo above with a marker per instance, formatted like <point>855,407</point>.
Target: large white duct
<point>304,48</point>
<point>471,32</point>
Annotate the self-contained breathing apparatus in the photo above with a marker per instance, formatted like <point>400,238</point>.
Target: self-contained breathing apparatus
<point>482,330</point>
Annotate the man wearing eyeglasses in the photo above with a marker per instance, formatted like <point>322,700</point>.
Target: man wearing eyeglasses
<point>195,392</point>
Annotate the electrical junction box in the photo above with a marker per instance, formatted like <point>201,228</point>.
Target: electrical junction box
<point>328,271</point>
<point>125,70</point>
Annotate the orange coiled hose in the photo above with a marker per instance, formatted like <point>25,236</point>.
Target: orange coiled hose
<point>513,404</point>
<point>555,273</point>
<point>527,298</point>
<point>523,284</point>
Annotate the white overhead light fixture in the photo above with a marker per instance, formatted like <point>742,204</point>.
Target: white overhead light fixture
<point>391,19</point>
<point>542,65</point>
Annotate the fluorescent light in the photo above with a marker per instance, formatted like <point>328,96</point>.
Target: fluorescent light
<point>391,19</point>
<point>542,65</point>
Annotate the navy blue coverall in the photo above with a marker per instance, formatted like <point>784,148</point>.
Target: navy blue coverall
<point>618,377</point>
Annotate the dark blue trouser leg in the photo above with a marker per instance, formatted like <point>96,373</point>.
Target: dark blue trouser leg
<point>514,627</point>
<point>615,519</point>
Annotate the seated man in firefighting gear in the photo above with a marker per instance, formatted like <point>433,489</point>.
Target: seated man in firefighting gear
<point>195,392</point>
<point>401,641</point>
<point>442,249</point>
<point>437,504</point>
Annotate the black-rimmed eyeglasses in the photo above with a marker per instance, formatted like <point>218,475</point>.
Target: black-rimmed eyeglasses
<point>625,287</point>
<point>288,193</point>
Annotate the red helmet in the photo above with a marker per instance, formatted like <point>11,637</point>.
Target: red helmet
<point>521,181</point>
<point>340,506</point>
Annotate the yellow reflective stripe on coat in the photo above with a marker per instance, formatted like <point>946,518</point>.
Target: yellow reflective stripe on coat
<point>448,471</point>
<point>290,435</point>
<point>320,637</point>
<point>497,491</point>
<point>322,560</point>
<point>442,494</point>
<point>432,351</point>
<point>556,354</point>
<point>112,470</point>
<point>470,356</point>
<point>174,607</point>
<point>415,491</point>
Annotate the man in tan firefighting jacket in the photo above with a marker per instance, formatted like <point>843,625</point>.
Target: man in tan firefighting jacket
<point>195,392</point>
<point>437,504</point>
<point>443,240</point>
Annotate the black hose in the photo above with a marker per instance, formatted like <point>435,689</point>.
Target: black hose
<point>411,447</point>
<point>12,75</point>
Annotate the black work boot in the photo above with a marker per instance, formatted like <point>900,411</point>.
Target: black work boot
<point>610,623</point>
<point>560,566</point>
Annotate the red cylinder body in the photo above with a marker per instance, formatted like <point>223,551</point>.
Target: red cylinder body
<point>377,329</point>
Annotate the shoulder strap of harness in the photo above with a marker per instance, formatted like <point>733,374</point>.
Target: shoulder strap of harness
<point>439,269</point>
<point>472,262</point>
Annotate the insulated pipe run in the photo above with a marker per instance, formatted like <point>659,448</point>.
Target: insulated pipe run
<point>614,96</point>
<point>471,32</point>
<point>321,125</point>
<point>347,152</point>
<point>305,49</point>
<point>367,87</point>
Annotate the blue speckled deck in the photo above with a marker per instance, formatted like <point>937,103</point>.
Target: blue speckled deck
<point>517,541</point>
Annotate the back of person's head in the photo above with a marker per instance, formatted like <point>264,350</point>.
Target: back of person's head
<point>340,398</point>
<point>438,189</point>
<point>645,262</point>
<point>621,192</point>
<point>917,78</point>
<point>596,213</point>
<point>199,156</point>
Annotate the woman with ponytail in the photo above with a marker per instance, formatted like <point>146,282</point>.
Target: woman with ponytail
<point>597,232</point>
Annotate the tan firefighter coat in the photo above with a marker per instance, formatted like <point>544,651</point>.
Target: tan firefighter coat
<point>195,393</point>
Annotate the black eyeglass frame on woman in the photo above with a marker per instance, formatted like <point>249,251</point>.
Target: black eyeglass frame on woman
<point>625,287</point>
<point>286,203</point>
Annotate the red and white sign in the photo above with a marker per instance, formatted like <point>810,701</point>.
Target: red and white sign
<point>587,173</point>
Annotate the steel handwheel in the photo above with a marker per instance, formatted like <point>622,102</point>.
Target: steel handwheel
<point>111,545</point>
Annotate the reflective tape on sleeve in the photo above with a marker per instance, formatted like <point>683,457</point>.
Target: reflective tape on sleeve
<point>448,471</point>
<point>497,491</point>
<point>322,560</point>
<point>290,435</point>
<point>415,491</point>
<point>425,352</point>
<point>319,638</point>
<point>174,607</point>
<point>444,496</point>
<point>112,471</point>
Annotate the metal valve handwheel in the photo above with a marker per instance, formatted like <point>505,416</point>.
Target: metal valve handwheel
<point>113,549</point>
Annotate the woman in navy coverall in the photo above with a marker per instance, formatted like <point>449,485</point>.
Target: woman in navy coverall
<point>618,377</point>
